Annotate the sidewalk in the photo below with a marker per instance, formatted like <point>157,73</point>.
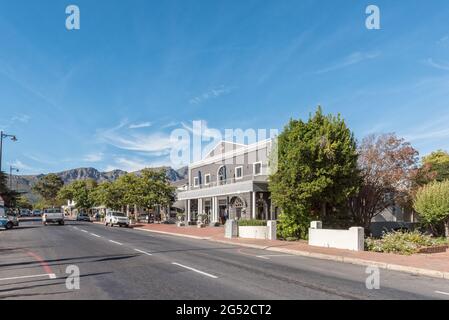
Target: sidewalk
<point>432,265</point>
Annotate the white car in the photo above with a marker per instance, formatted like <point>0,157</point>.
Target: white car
<point>116,218</point>
<point>53,215</point>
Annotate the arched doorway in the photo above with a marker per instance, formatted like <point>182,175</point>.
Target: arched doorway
<point>238,207</point>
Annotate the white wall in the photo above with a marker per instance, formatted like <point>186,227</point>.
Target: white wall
<point>352,239</point>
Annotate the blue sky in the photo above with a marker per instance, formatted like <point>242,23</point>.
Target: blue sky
<point>108,95</point>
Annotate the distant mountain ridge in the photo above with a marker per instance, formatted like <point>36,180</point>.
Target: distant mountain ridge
<point>24,183</point>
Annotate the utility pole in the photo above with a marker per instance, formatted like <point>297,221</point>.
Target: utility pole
<point>11,169</point>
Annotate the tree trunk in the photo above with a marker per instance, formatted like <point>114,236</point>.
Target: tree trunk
<point>323,211</point>
<point>446,228</point>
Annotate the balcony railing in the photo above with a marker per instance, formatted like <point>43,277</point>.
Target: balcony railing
<point>260,177</point>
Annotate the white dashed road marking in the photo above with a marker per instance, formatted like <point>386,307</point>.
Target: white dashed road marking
<point>95,235</point>
<point>50,275</point>
<point>141,251</point>
<point>195,270</point>
<point>120,244</point>
<point>442,292</point>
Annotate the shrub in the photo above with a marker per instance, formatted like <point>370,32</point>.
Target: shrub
<point>252,223</point>
<point>432,203</point>
<point>405,243</point>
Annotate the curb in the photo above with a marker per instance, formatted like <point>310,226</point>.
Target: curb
<point>355,261</point>
<point>174,234</point>
<point>321,256</point>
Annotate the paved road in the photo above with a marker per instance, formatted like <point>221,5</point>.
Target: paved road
<point>118,263</point>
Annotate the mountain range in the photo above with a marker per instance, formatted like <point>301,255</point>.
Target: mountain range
<point>24,183</point>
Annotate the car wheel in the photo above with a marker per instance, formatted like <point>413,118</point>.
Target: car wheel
<point>112,225</point>
<point>9,225</point>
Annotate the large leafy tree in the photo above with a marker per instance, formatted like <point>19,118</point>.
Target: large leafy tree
<point>434,167</point>
<point>107,194</point>
<point>10,197</point>
<point>432,203</point>
<point>79,191</point>
<point>48,187</point>
<point>316,171</point>
<point>387,165</point>
<point>153,188</point>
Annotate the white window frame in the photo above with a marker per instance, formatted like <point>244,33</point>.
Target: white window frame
<point>254,168</point>
<point>235,172</point>
<point>196,182</point>
<point>205,179</point>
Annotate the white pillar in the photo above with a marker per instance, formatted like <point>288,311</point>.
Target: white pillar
<point>215,208</point>
<point>188,210</point>
<point>200,206</point>
<point>253,205</point>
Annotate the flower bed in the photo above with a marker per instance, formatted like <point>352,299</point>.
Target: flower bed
<point>406,243</point>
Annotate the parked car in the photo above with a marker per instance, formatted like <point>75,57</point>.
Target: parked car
<point>116,218</point>
<point>83,217</point>
<point>53,215</point>
<point>7,218</point>
<point>36,213</point>
<point>25,212</point>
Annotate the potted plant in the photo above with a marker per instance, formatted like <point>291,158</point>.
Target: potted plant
<point>201,220</point>
<point>180,216</point>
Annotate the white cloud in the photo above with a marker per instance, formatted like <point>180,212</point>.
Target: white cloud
<point>140,125</point>
<point>22,118</point>
<point>156,143</point>
<point>441,66</point>
<point>20,165</point>
<point>350,60</point>
<point>132,165</point>
<point>443,39</point>
<point>94,157</point>
<point>213,93</point>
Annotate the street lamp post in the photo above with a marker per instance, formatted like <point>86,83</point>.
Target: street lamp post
<point>11,169</point>
<point>4,135</point>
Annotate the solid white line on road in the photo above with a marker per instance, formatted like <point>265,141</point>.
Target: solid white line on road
<point>120,244</point>
<point>50,275</point>
<point>442,292</point>
<point>84,230</point>
<point>95,235</point>
<point>196,270</point>
<point>147,253</point>
<point>268,256</point>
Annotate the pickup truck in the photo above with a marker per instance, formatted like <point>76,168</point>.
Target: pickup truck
<point>53,215</point>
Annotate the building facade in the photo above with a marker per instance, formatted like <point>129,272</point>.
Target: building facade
<point>231,182</point>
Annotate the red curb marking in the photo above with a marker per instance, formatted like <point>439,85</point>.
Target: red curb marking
<point>41,261</point>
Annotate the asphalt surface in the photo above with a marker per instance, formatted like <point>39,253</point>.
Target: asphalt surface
<point>120,263</point>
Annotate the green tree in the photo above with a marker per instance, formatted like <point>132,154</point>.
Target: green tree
<point>23,202</point>
<point>435,166</point>
<point>107,194</point>
<point>153,188</point>
<point>9,196</point>
<point>48,187</point>
<point>316,171</point>
<point>79,191</point>
<point>432,203</point>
